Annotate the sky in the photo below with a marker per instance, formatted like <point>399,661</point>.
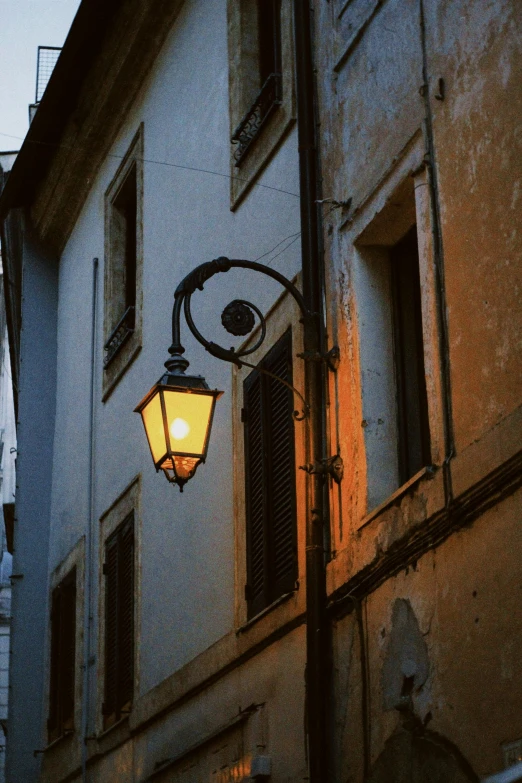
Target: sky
<point>25,25</point>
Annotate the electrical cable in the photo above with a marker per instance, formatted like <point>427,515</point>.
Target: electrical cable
<point>163,163</point>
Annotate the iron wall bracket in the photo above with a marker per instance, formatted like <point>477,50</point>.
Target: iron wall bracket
<point>332,358</point>
<point>330,466</point>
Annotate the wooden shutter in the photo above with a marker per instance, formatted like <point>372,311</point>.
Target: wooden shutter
<point>126,613</point>
<point>119,620</point>
<point>68,655</point>
<point>281,509</point>
<point>63,657</point>
<point>270,479</point>
<point>53,723</point>
<point>256,500</point>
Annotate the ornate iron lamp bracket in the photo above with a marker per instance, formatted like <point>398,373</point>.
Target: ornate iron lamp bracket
<point>237,318</point>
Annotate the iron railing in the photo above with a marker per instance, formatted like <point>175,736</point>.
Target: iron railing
<point>250,126</point>
<point>47,58</point>
<point>120,334</point>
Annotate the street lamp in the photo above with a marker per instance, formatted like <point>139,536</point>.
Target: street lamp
<point>177,412</point>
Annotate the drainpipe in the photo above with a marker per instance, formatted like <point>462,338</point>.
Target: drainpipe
<point>317,517</point>
<point>438,256</point>
<point>87,611</point>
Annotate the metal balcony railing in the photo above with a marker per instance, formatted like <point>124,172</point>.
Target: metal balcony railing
<point>47,58</point>
<point>120,334</point>
<point>250,126</point>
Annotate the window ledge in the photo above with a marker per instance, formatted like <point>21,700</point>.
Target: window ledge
<point>427,472</point>
<point>259,616</point>
<point>66,734</point>
<point>112,728</point>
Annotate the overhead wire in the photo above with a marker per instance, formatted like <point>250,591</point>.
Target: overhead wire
<point>165,163</point>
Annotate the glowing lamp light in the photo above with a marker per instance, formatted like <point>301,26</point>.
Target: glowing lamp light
<point>177,415</point>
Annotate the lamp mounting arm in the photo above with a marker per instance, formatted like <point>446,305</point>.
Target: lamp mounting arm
<point>237,317</point>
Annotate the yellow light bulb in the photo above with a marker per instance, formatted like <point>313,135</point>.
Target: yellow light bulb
<point>179,429</point>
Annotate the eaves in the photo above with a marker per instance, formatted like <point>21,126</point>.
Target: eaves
<point>109,51</point>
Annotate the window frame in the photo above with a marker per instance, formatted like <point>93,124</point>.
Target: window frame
<point>74,562</point>
<point>243,89</point>
<point>119,593</point>
<point>122,323</point>
<point>113,519</point>
<point>63,598</point>
<point>368,230</point>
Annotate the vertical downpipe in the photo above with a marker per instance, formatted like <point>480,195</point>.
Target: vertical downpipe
<point>317,513</point>
<point>87,611</point>
<point>438,255</point>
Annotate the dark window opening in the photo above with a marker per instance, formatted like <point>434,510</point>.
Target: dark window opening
<point>269,38</point>
<point>119,622</point>
<point>63,658</point>
<point>412,402</point>
<point>264,19</point>
<point>270,480</point>
<point>123,229</point>
<point>125,209</point>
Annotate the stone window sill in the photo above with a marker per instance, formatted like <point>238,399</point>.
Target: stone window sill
<point>264,612</point>
<point>427,472</point>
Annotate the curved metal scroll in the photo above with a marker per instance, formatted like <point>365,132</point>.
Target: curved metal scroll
<point>196,280</point>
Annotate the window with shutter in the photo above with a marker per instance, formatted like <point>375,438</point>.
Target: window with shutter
<point>119,621</point>
<point>63,651</point>
<point>270,479</point>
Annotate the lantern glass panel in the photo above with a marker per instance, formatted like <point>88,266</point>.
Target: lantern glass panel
<point>153,421</point>
<point>187,419</point>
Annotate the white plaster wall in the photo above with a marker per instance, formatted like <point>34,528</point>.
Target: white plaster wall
<point>187,575</point>
<point>36,401</point>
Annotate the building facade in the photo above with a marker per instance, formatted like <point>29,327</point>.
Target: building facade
<point>7,494</point>
<point>160,636</point>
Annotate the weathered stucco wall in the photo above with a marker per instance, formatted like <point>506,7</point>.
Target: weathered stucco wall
<point>452,594</point>
<point>452,624</point>
<point>476,49</point>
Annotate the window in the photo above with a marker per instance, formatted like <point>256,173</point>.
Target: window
<point>123,262</point>
<point>118,570</point>
<point>266,66</point>
<point>269,39</point>
<point>123,238</point>
<point>63,657</point>
<point>262,94</point>
<point>413,436</point>
<point>391,346</point>
<point>270,479</point>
